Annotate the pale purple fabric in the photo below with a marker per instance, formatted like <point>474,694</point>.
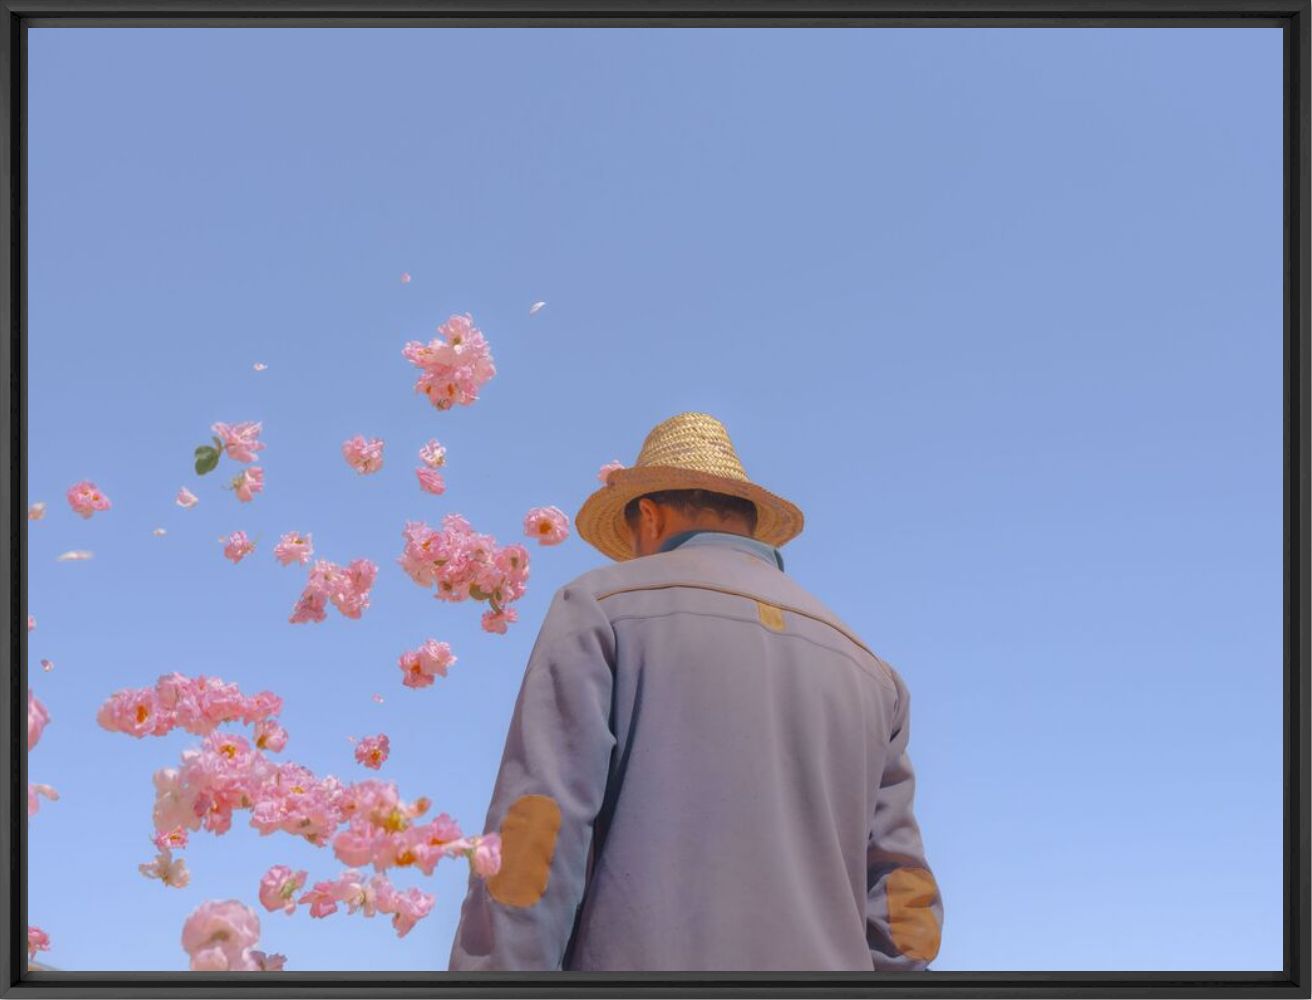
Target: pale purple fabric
<point>732,797</point>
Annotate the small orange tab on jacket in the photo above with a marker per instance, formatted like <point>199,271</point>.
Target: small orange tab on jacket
<point>771,617</point>
<point>528,841</point>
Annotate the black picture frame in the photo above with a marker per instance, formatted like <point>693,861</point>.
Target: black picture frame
<point>1291,16</point>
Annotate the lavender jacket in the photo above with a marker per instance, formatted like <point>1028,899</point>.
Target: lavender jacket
<point>705,770</point>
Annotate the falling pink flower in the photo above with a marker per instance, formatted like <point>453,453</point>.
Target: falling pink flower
<point>279,886</point>
<point>159,532</point>
<point>36,511</point>
<point>250,482</point>
<point>219,934</point>
<point>237,546</point>
<point>33,791</point>
<point>186,499</point>
<point>548,525</point>
<point>85,498</point>
<point>607,469</point>
<point>38,717</point>
<point>74,555</point>
<point>47,665</point>
<point>454,366</point>
<point>294,547</point>
<point>405,278</point>
<point>172,872</point>
<point>421,665</point>
<point>240,441</point>
<point>430,480</point>
<point>363,456</point>
<point>433,454</point>
<point>31,622</point>
<point>485,855</point>
<point>259,366</point>
<point>372,751</point>
<point>37,940</point>
<point>496,621</point>
<point>177,837</point>
<point>347,587</point>
<point>378,697</point>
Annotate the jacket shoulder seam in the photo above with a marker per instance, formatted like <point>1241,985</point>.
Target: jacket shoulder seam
<point>753,597</point>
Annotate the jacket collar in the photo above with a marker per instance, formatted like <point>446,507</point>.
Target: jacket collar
<point>704,536</point>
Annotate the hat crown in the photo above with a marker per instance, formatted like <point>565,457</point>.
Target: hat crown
<point>695,441</point>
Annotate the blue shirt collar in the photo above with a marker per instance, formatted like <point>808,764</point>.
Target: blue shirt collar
<point>705,536</point>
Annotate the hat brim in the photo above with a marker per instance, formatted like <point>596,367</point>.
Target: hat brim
<point>600,521</point>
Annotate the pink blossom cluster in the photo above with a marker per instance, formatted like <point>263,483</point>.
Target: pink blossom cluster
<point>237,546</point>
<point>220,936</point>
<point>294,547</point>
<point>363,456</point>
<point>420,666</point>
<point>548,525</point>
<point>433,455</point>
<point>370,896</point>
<point>240,441</point>
<point>279,886</point>
<point>169,870</point>
<point>372,751</point>
<point>85,498</point>
<point>466,564</point>
<point>347,587</point>
<point>37,940</point>
<point>248,482</point>
<point>453,366</point>
<point>197,705</point>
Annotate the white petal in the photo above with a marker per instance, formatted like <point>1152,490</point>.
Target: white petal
<point>535,307</point>
<point>73,554</point>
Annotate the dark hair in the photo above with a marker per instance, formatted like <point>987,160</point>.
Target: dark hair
<point>691,501</point>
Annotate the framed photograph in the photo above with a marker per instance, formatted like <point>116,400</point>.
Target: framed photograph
<point>519,498</point>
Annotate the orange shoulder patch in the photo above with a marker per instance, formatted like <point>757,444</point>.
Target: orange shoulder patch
<point>528,842</point>
<point>911,923</point>
<point>771,617</point>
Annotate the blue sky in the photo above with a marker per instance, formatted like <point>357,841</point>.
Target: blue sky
<point>1000,309</point>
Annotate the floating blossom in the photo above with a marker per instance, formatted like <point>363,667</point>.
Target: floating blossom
<point>38,717</point>
<point>36,511</point>
<point>294,547</point>
<point>376,895</point>
<point>74,555</point>
<point>421,665</point>
<point>433,454</point>
<point>240,441</point>
<point>378,698</point>
<point>218,935</point>
<point>464,564</point>
<point>532,310</point>
<point>186,499</point>
<point>85,498</point>
<point>372,751</point>
<point>196,704</point>
<point>548,525</point>
<point>279,886</point>
<point>405,278</point>
<point>47,665</point>
<point>430,480</point>
<point>607,469</point>
<point>347,587</point>
<point>31,622</point>
<point>496,621</point>
<point>158,532</point>
<point>171,872</point>
<point>33,791</point>
<point>169,839</point>
<point>237,546</point>
<point>454,366</point>
<point>363,456</point>
<point>259,366</point>
<point>37,940</point>
<point>250,482</point>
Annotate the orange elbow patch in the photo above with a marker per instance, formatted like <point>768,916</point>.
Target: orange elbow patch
<point>912,923</point>
<point>528,842</point>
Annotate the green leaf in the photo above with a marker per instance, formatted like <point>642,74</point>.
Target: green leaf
<point>206,459</point>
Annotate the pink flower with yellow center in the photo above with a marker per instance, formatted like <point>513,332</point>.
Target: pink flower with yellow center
<point>363,456</point>
<point>85,498</point>
<point>548,525</point>
<point>373,750</point>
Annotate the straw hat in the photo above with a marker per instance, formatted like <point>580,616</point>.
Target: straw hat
<point>688,451</point>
